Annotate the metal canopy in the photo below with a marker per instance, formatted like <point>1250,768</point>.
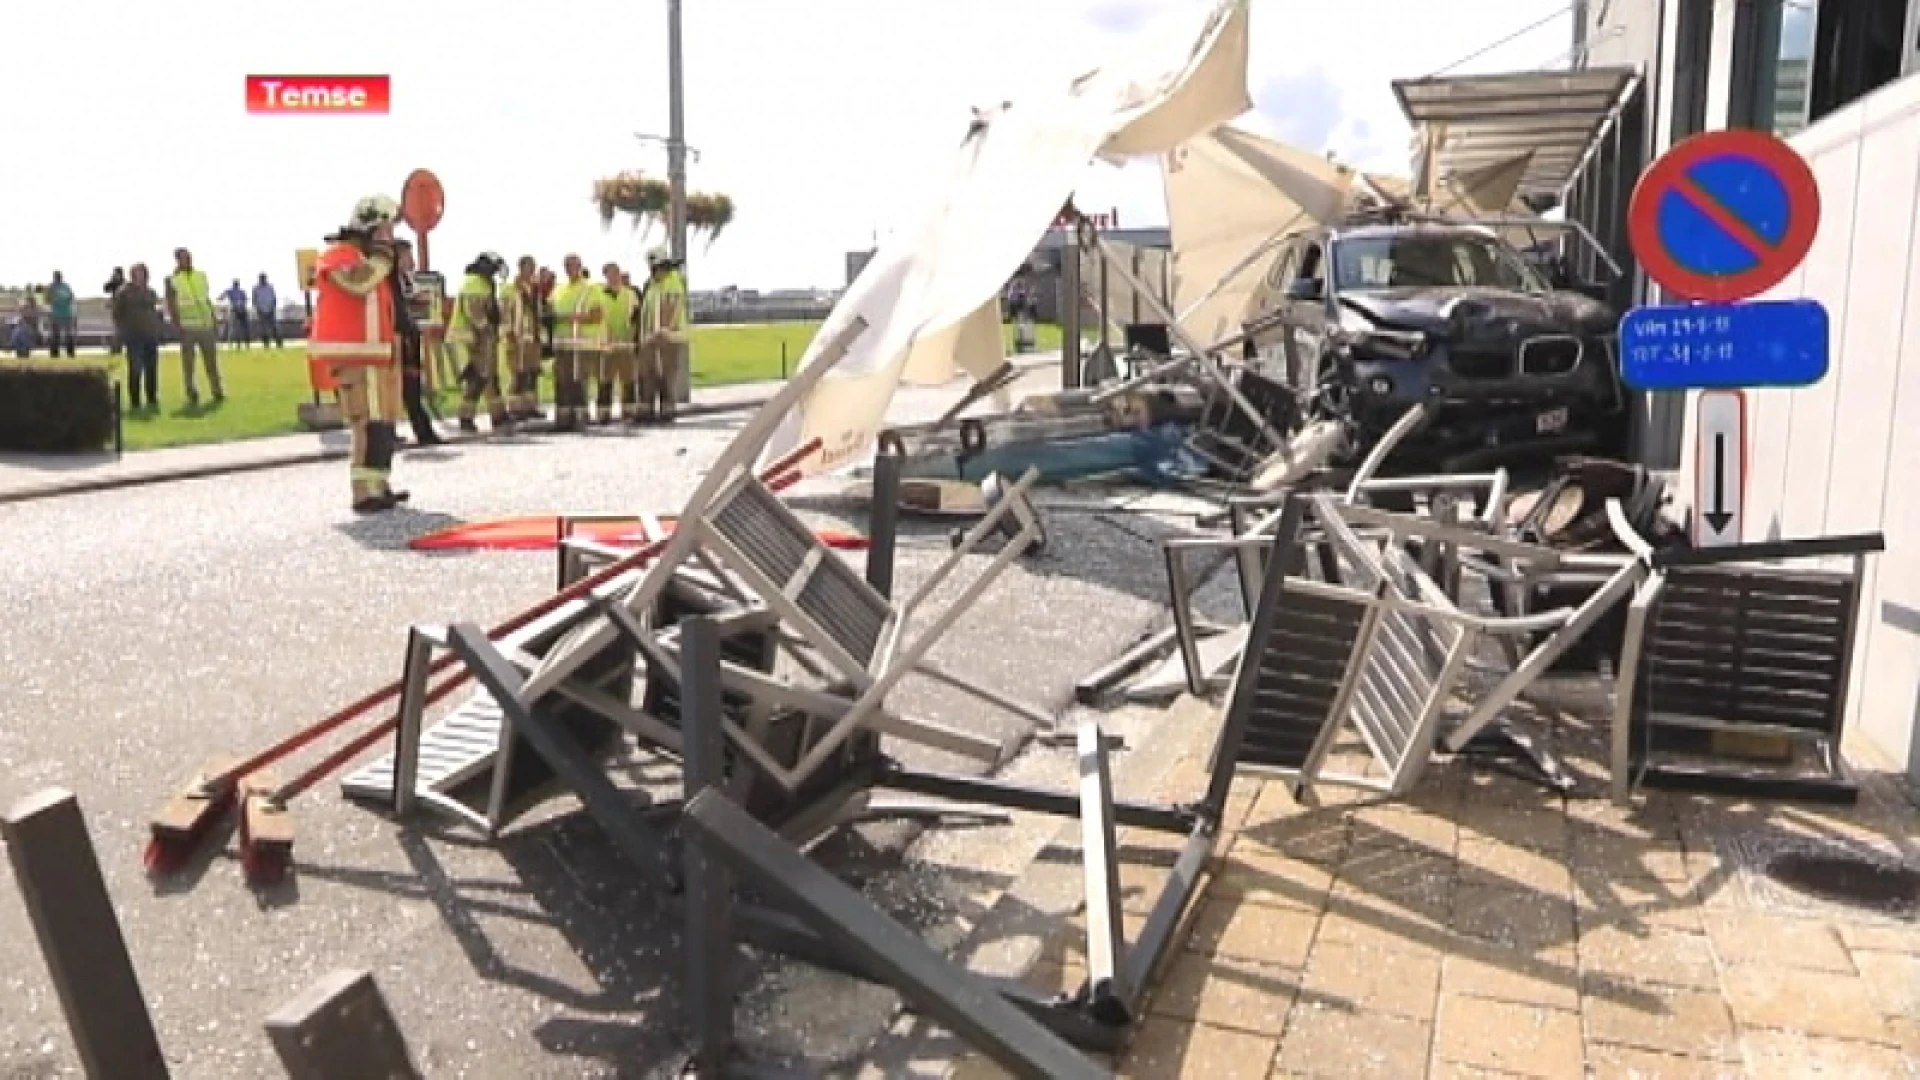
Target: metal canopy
<point>1475,120</point>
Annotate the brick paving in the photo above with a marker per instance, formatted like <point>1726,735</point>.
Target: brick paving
<point>1486,927</point>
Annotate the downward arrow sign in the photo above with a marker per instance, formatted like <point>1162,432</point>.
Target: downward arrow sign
<point>1718,517</point>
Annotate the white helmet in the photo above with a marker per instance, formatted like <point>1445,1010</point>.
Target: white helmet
<point>373,212</point>
<point>659,256</point>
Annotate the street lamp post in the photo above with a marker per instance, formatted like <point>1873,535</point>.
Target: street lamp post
<point>676,135</point>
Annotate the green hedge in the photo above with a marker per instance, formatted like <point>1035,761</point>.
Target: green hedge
<point>56,408</point>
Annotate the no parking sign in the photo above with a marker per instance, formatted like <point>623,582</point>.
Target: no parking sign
<point>1718,219</point>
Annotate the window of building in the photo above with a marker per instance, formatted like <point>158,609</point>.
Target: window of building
<point>1816,56</point>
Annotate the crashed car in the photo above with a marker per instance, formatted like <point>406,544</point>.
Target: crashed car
<point>1364,320</point>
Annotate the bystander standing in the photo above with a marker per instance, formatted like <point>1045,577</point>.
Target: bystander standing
<point>114,281</point>
<point>136,322</point>
<point>61,319</point>
<point>237,328</point>
<point>266,312</point>
<point>27,323</point>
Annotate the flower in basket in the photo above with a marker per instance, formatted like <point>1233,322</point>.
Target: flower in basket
<point>639,196</point>
<point>709,213</point>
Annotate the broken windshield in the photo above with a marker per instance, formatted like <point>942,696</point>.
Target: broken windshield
<point>1430,260</point>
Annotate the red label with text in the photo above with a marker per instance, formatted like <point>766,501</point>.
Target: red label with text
<point>319,94</point>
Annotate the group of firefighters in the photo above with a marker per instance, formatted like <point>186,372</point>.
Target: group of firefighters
<point>611,343</point>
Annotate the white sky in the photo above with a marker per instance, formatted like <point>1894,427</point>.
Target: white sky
<point>129,134</point>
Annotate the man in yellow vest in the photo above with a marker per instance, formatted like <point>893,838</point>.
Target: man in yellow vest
<point>579,338</point>
<point>475,332</point>
<point>663,335</point>
<point>520,316</point>
<point>190,306</point>
<point>616,364</point>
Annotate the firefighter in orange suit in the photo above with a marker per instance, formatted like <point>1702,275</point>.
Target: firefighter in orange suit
<point>353,331</point>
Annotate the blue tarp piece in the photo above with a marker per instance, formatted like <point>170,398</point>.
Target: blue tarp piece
<point>1156,457</point>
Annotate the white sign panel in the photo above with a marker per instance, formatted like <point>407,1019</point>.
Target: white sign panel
<point>1719,468</point>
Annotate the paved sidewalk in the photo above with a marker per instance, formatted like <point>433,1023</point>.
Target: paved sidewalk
<point>35,476</point>
<point>1489,928</point>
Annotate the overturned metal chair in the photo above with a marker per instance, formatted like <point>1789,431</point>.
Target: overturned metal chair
<point>1208,650</point>
<point>861,638</point>
<point>1735,670</point>
<point>1531,643</point>
<point>1380,650</point>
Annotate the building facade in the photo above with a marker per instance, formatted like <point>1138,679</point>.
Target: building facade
<point>1775,65</point>
<point>1841,80</point>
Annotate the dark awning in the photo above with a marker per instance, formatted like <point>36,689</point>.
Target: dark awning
<point>1476,120</point>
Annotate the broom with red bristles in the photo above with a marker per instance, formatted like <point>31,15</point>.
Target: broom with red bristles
<point>266,836</point>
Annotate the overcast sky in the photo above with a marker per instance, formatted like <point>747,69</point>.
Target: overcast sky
<point>128,133</point>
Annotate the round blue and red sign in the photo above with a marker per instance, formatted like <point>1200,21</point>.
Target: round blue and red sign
<point>1724,216</point>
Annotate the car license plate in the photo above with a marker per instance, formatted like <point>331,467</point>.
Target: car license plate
<point>1551,422</point>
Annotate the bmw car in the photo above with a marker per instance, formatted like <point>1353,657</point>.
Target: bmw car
<point>1367,319</point>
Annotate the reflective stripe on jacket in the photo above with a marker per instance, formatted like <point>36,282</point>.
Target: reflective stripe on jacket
<point>580,298</point>
<point>349,329</point>
<point>656,316</point>
<point>460,328</point>
<point>192,300</point>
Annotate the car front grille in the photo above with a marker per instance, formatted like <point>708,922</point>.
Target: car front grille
<point>1549,355</point>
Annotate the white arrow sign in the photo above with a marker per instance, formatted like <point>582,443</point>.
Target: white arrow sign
<point>1719,470</point>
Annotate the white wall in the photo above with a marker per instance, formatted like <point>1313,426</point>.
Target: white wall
<point>1844,456</point>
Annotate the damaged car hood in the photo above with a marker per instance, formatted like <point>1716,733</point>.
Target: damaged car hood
<point>1457,312</point>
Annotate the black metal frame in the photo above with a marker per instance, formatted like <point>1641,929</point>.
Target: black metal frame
<point>822,922</point>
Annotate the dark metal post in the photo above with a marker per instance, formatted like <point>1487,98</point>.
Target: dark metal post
<point>340,1028</point>
<point>406,736</point>
<point>955,997</point>
<point>1106,315</point>
<point>1105,943</point>
<point>86,953</point>
<point>709,882</point>
<point>883,531</point>
<point>1070,308</point>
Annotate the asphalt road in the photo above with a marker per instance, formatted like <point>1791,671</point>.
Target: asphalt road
<point>148,630</point>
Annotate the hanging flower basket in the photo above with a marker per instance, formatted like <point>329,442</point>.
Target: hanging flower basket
<point>635,194</point>
<point>649,202</point>
<point>709,214</point>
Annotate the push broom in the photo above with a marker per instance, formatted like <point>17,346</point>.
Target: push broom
<point>266,835</point>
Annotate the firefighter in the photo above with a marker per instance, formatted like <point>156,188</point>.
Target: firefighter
<point>579,336</point>
<point>475,331</point>
<point>353,331</point>
<point>663,335</point>
<point>520,315</point>
<point>617,363</point>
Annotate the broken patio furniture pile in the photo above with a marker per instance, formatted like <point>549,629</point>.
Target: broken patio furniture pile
<point>766,663</point>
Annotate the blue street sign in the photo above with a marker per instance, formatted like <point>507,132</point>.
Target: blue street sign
<point>1764,343</point>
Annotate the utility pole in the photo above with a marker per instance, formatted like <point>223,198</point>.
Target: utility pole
<point>676,134</point>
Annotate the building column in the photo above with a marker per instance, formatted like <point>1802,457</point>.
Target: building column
<point>1664,79</point>
<point>1910,63</point>
<point>1720,61</point>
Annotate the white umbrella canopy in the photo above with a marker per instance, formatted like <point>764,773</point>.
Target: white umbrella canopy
<point>1232,195</point>
<point>929,299</point>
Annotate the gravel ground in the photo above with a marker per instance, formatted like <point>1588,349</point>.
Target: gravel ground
<point>151,629</point>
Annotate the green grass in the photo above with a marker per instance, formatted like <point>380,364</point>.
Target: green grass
<point>265,386</point>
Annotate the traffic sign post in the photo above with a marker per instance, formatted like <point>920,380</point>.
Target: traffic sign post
<point>1717,220</point>
<point>1720,468</point>
<point>422,202</point>
<point>1724,216</point>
